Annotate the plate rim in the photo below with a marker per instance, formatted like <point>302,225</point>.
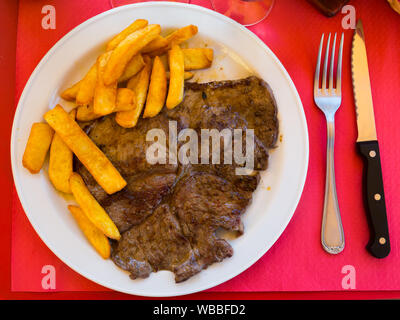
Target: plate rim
<point>72,32</point>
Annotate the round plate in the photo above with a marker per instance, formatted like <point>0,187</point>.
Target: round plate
<point>274,201</point>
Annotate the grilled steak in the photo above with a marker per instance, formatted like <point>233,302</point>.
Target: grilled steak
<point>169,214</point>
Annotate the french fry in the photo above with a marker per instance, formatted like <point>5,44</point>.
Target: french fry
<point>136,25</point>
<point>125,99</point>
<point>70,93</point>
<point>105,96</point>
<point>102,170</point>
<point>133,67</point>
<point>197,58</point>
<point>176,74</point>
<point>158,43</point>
<point>125,102</point>
<point>157,90</point>
<point>187,75</point>
<point>72,114</point>
<point>37,146</point>
<point>139,84</point>
<point>87,86</point>
<point>126,49</point>
<point>92,209</point>
<point>60,162</point>
<point>131,84</point>
<point>181,35</point>
<point>86,113</point>
<point>176,38</point>
<point>97,238</point>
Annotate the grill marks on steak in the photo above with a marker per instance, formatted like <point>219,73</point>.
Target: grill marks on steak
<point>239,104</point>
<point>169,214</point>
<point>204,202</point>
<point>132,205</point>
<point>126,148</point>
<point>156,244</point>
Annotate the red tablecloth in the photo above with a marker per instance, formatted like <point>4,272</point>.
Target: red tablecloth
<point>292,31</point>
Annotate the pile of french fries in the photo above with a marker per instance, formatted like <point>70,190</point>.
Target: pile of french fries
<point>128,77</point>
<point>132,74</point>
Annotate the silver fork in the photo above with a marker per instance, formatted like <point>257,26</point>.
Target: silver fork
<point>328,98</point>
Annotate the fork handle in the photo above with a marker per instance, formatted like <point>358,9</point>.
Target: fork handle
<point>332,236</point>
<point>379,244</point>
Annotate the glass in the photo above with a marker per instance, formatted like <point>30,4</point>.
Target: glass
<point>246,12</point>
<point>117,3</point>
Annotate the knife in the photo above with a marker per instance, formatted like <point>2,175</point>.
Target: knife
<point>367,142</point>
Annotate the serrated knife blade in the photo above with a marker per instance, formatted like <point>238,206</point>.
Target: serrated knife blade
<point>362,87</point>
<point>379,243</point>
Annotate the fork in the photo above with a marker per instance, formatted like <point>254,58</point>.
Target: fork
<point>328,98</point>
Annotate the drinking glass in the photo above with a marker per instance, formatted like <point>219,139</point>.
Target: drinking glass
<point>117,3</point>
<point>246,12</point>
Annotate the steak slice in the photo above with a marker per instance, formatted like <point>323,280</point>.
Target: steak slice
<point>251,99</point>
<point>133,204</point>
<point>204,203</point>
<point>156,244</point>
<point>126,147</point>
<point>136,201</point>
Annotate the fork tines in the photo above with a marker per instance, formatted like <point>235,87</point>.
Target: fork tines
<point>330,89</point>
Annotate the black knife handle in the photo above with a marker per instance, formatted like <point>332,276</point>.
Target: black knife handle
<point>379,244</point>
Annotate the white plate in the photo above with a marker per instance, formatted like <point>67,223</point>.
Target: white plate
<point>274,201</point>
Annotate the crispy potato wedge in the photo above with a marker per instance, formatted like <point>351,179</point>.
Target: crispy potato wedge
<point>198,58</point>
<point>181,35</point>
<point>96,238</point>
<point>70,93</point>
<point>86,113</point>
<point>92,209</point>
<point>187,75</point>
<point>176,77</point>
<point>125,100</point>
<point>86,89</point>
<point>37,146</point>
<point>157,90</point>
<point>105,96</point>
<point>102,170</point>
<point>176,38</point>
<point>133,67</point>
<point>139,84</point>
<point>126,49</point>
<point>61,162</point>
<point>136,25</point>
<point>131,84</point>
<point>72,114</point>
<point>158,43</point>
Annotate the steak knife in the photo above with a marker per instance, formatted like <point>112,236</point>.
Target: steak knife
<point>367,142</point>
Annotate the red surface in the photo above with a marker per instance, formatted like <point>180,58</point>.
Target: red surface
<point>283,38</point>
